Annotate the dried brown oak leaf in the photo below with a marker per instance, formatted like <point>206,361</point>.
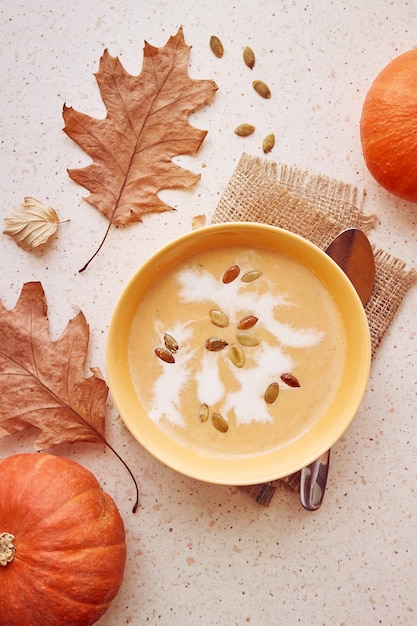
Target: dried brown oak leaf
<point>42,382</point>
<point>146,125</point>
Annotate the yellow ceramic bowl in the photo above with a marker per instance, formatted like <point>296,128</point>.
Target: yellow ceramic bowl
<point>269,464</point>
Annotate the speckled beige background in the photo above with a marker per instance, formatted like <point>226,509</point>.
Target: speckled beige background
<point>200,554</point>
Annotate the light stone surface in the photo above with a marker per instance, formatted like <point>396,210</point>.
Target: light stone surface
<point>200,554</point>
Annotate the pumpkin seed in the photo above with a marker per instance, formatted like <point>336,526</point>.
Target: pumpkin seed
<point>290,380</point>
<point>268,143</point>
<point>244,130</point>
<point>251,276</point>
<point>165,355</point>
<point>219,318</point>
<point>247,322</point>
<point>215,345</point>
<point>247,339</point>
<point>249,57</point>
<point>230,274</point>
<point>271,393</point>
<point>237,356</point>
<point>170,343</point>
<point>220,423</point>
<point>203,412</point>
<point>216,46</point>
<point>262,89</point>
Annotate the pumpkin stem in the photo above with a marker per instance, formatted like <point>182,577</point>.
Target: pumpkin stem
<point>7,548</point>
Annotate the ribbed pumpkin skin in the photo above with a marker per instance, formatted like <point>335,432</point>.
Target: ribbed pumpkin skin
<point>70,543</point>
<point>388,127</point>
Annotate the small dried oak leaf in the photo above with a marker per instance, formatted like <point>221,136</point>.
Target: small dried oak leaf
<point>32,224</point>
<point>42,382</point>
<point>145,127</point>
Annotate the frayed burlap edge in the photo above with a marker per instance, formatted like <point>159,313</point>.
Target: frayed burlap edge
<point>317,208</point>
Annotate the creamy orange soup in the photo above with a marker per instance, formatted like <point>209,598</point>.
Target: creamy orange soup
<point>299,331</point>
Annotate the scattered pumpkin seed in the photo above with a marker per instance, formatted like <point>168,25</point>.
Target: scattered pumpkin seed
<point>249,57</point>
<point>261,88</point>
<point>271,393</point>
<point>230,274</point>
<point>268,143</point>
<point>219,318</point>
<point>203,412</point>
<point>220,423</point>
<point>251,276</point>
<point>237,356</point>
<point>247,322</point>
<point>247,339</point>
<point>165,355</point>
<point>290,380</point>
<point>215,345</point>
<point>170,343</point>
<point>244,130</point>
<point>216,46</point>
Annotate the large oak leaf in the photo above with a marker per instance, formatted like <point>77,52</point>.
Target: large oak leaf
<point>42,382</point>
<point>145,126</point>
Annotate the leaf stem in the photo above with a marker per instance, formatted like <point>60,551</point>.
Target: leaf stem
<point>136,504</point>
<point>84,267</point>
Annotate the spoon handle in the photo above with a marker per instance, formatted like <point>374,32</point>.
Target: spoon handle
<point>313,481</point>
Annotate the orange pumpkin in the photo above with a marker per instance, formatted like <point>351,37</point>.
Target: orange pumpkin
<point>388,127</point>
<point>62,543</point>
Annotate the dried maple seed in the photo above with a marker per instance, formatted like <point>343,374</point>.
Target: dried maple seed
<point>268,143</point>
<point>249,57</point>
<point>290,380</point>
<point>261,88</point>
<point>216,46</point>
<point>251,276</point>
<point>247,339</point>
<point>203,412</point>
<point>215,345</point>
<point>271,394</point>
<point>230,274</point>
<point>170,343</point>
<point>237,356</point>
<point>247,322</point>
<point>244,130</point>
<point>219,318</point>
<point>165,355</point>
<point>220,423</point>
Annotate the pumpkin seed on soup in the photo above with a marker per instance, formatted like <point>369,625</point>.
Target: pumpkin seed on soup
<point>247,339</point>
<point>236,355</point>
<point>219,423</point>
<point>271,393</point>
<point>230,274</point>
<point>170,343</point>
<point>219,318</point>
<point>215,345</point>
<point>203,412</point>
<point>290,380</point>
<point>165,355</point>
<point>251,276</point>
<point>247,322</point>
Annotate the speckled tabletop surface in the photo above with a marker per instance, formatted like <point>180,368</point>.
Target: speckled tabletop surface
<point>200,553</point>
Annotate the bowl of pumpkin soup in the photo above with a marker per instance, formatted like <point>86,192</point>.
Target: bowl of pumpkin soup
<point>238,353</point>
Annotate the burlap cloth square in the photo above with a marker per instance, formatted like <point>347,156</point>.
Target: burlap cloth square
<point>317,208</point>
